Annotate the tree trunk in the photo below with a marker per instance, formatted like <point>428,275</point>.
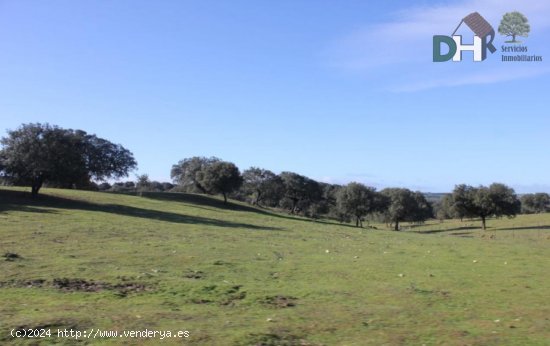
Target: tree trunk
<point>513,40</point>
<point>294,204</point>
<point>36,185</point>
<point>257,199</point>
<point>358,222</point>
<point>224,197</point>
<point>396,225</point>
<point>201,189</point>
<point>483,222</point>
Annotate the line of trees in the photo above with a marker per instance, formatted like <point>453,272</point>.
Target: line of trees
<point>38,154</point>
<point>534,203</point>
<point>142,184</point>
<point>299,194</point>
<point>302,195</point>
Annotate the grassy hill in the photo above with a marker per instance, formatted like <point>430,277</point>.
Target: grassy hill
<point>238,275</point>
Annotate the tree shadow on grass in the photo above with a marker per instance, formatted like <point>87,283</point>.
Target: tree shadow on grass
<point>196,200</point>
<point>21,201</point>
<point>446,230</point>
<point>524,228</point>
<point>210,203</point>
<point>463,234</point>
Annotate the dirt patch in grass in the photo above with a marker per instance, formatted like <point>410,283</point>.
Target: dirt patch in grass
<point>221,263</point>
<point>23,283</point>
<point>71,285</point>
<point>277,337</point>
<point>11,256</point>
<point>76,285</point>
<point>193,274</point>
<point>200,301</point>
<point>221,295</point>
<point>414,289</point>
<point>280,301</point>
<point>232,295</point>
<point>131,287</point>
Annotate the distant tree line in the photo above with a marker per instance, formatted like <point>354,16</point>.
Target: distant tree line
<point>44,155</point>
<point>142,184</point>
<point>534,203</point>
<point>299,194</point>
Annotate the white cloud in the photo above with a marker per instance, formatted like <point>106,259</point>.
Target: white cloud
<point>406,42</point>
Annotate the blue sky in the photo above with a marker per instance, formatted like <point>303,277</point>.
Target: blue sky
<point>336,90</point>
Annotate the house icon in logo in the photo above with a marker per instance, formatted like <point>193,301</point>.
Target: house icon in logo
<point>484,34</point>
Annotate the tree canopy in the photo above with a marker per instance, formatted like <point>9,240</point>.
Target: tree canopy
<point>358,200</point>
<point>301,191</point>
<point>263,185</point>
<point>185,172</point>
<point>405,205</point>
<point>220,177</point>
<point>38,153</point>
<point>533,203</point>
<point>495,200</point>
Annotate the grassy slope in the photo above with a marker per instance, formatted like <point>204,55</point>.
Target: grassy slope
<point>375,287</point>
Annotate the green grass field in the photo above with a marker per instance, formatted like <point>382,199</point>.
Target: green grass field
<point>243,276</point>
